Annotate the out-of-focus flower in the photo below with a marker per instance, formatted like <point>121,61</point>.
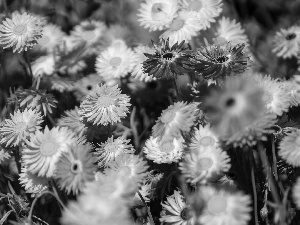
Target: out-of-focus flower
<point>238,112</point>
<point>74,168</point>
<point>20,32</point>
<point>165,151</point>
<point>117,34</point>
<point>230,31</point>
<point>3,155</point>
<point>289,148</point>
<point>177,118</point>
<point>175,211</point>
<point>287,42</point>
<point>115,62</point>
<point>105,105</point>
<point>206,10</point>
<point>296,193</point>
<point>182,28</point>
<point>44,149</point>
<point>111,149</point>
<point>133,166</point>
<point>17,129</point>
<point>44,65</point>
<point>31,182</point>
<point>204,136</point>
<point>216,62</point>
<point>140,57</point>
<point>73,120</point>
<point>157,14</point>
<point>292,87</point>
<point>222,207</point>
<point>204,164</point>
<point>86,85</point>
<point>168,62</point>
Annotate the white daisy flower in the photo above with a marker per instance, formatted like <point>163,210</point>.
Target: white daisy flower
<point>289,148</point>
<point>204,164</point>
<point>230,31</point>
<point>296,193</point>
<point>44,149</point>
<point>18,128</point>
<point>44,65</point>
<point>203,136</point>
<point>157,14</point>
<point>138,71</point>
<point>115,62</point>
<point>223,208</point>
<point>182,28</point>
<point>287,42</point>
<point>165,151</point>
<point>20,32</point>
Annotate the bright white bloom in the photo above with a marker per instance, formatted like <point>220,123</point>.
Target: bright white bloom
<point>44,65</point>
<point>137,71</point>
<point>287,42</point>
<point>203,137</point>
<point>204,164</point>
<point>157,14</point>
<point>20,32</point>
<point>222,207</point>
<point>44,149</point>
<point>105,105</point>
<point>230,31</point>
<point>296,193</point>
<point>115,62</point>
<point>18,128</point>
<point>182,28</point>
<point>165,151</point>
<point>289,148</point>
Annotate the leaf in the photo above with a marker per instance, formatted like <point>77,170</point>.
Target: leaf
<point>5,217</point>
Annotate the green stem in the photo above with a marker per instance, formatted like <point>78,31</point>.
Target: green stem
<point>254,188</point>
<point>274,158</point>
<point>58,193</point>
<point>148,210</point>
<point>26,57</point>
<point>134,129</point>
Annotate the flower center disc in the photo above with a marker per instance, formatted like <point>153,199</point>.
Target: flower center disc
<point>217,204</point>
<point>88,35</point>
<point>204,163</point>
<point>195,5</point>
<point>168,116</point>
<point>76,167</point>
<point>156,8</point>
<point>43,40</point>
<point>115,61</point>
<point>167,147</point>
<point>111,147</point>
<point>48,148</point>
<point>105,101</point>
<point>20,30</point>
<point>290,36</point>
<point>207,140</point>
<point>185,214</point>
<point>177,25</point>
<point>220,41</point>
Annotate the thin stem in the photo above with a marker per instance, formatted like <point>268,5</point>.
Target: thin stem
<point>57,193</point>
<point>17,159</point>
<point>254,188</point>
<point>148,210</point>
<point>274,158</point>
<point>175,86</point>
<point>26,57</point>
<point>134,129</point>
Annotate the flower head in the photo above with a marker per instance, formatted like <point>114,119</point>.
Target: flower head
<point>168,61</point>
<point>289,148</point>
<point>42,152</point>
<point>157,14</point>
<point>18,128</point>
<point>111,149</point>
<point>204,136</point>
<point>44,65</point>
<point>86,85</point>
<point>20,32</point>
<point>287,42</point>
<point>105,105</point>
<point>74,168</point>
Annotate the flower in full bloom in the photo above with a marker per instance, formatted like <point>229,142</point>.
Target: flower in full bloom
<point>183,28</point>
<point>111,149</point>
<point>85,85</point>
<point>287,42</point>
<point>73,120</point>
<point>18,128</point>
<point>296,193</point>
<point>289,148</point>
<point>221,207</point>
<point>44,65</point>
<point>168,61</point>
<point>115,62</point>
<point>133,166</point>
<point>74,168</point>
<point>44,149</point>
<point>105,105</point>
<point>230,31</point>
<point>177,118</point>
<point>165,151</point>
<point>204,164</point>
<point>157,14</point>
<point>20,32</point>
<point>175,211</point>
<point>238,112</point>
<point>204,136</point>
<point>215,61</point>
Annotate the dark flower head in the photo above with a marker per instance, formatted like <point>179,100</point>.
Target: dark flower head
<point>215,61</point>
<point>167,62</point>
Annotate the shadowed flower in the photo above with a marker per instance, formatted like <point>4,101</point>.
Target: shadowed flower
<point>44,149</point>
<point>20,32</point>
<point>17,129</point>
<point>105,105</point>
<point>289,148</point>
<point>168,62</point>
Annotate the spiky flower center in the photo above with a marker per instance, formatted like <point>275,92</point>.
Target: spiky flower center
<point>217,204</point>
<point>20,29</point>
<point>185,214</point>
<point>115,61</point>
<point>222,59</point>
<point>195,5</point>
<point>88,35</point>
<point>168,116</point>
<point>49,148</point>
<point>105,101</point>
<point>290,36</point>
<point>177,24</point>
<point>43,40</point>
<point>76,167</point>
<point>167,147</point>
<point>168,55</point>
<point>204,164</point>
<point>207,140</point>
